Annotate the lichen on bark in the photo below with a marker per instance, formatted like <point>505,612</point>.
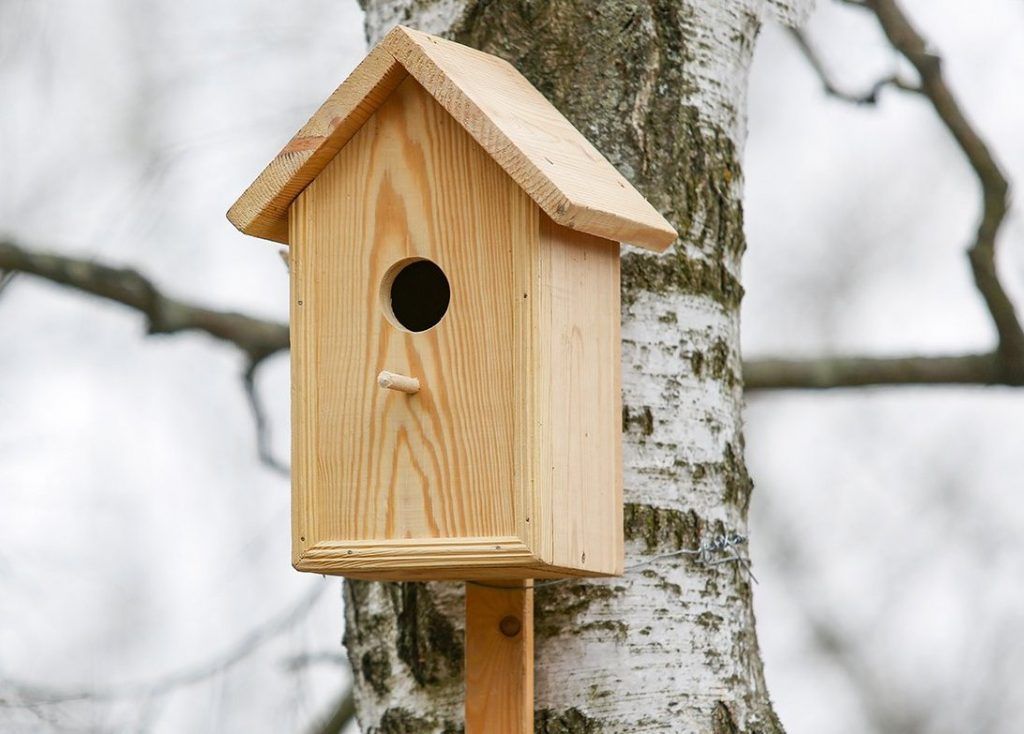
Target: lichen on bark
<point>570,721</point>
<point>428,642</point>
<point>404,638</point>
<point>399,720</point>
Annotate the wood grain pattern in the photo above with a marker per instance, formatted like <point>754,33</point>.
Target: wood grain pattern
<point>534,143</point>
<point>391,381</point>
<point>262,210</point>
<point>557,166</point>
<point>499,665</point>
<point>372,464</point>
<point>578,406</point>
<point>507,460</point>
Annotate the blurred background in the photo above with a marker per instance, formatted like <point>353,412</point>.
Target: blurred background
<point>145,582</point>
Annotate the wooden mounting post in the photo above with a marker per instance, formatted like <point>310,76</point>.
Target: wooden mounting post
<point>499,657</point>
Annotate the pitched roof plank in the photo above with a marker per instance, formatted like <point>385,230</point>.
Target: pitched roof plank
<point>262,211</point>
<point>540,150</point>
<point>556,165</point>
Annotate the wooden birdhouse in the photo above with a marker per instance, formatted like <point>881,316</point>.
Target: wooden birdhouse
<point>454,323</point>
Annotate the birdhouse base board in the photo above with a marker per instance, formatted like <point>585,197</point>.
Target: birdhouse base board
<point>433,560</point>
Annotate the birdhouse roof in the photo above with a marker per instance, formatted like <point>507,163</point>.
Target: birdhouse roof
<point>542,152</point>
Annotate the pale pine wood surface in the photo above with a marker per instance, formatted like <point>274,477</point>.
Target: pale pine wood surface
<point>508,459</point>
<point>499,667</point>
<point>557,166</point>
<point>578,412</point>
<point>534,143</point>
<point>262,210</point>
<point>373,464</point>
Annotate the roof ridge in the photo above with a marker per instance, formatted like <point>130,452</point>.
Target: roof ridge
<point>533,142</point>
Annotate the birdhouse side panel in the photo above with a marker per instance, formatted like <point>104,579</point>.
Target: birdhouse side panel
<point>578,496</point>
<point>382,477</point>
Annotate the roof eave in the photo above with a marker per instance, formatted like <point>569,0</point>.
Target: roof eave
<point>625,216</point>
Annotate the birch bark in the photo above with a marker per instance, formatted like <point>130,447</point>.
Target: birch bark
<point>659,86</point>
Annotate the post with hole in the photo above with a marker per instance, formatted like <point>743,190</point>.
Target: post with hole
<point>455,342</point>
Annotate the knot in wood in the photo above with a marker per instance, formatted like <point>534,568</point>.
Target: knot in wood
<point>510,625</point>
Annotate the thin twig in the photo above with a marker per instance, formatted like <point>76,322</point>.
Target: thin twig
<point>995,188</point>
<point>28,695</point>
<point>837,372</point>
<point>867,97</point>
<point>257,338</point>
<point>6,278</point>
<point>1005,365</point>
<point>259,417</point>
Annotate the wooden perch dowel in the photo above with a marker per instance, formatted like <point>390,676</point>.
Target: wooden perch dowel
<point>391,381</point>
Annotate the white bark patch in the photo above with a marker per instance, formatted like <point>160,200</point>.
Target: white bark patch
<point>694,416</point>
<point>656,658</point>
<point>372,628</point>
<point>435,17</point>
<point>793,13</point>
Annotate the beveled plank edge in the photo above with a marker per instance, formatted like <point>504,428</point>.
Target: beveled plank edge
<point>525,334</point>
<point>302,399</point>
<point>431,559</point>
<point>262,210</point>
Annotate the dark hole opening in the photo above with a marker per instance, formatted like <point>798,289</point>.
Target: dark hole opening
<point>419,295</point>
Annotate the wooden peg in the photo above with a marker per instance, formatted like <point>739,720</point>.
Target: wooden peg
<point>391,381</point>
<point>499,657</point>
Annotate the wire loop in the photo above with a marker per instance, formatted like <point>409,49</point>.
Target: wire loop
<point>714,551</point>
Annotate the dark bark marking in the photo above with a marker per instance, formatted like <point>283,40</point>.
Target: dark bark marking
<point>398,720</point>
<point>427,641</point>
<point>570,721</point>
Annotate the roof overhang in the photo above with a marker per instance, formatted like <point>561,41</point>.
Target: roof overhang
<point>531,140</point>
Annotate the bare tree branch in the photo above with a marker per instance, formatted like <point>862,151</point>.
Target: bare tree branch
<point>867,97</point>
<point>265,337</point>
<point>968,369</point>
<point>259,416</point>
<point>995,188</point>
<point>257,338</point>
<point>1005,366</point>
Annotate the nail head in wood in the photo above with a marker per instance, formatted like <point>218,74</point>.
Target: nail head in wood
<point>401,383</point>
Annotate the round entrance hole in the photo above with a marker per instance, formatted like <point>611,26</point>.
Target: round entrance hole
<point>415,294</point>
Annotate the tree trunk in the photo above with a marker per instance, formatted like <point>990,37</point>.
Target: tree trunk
<point>659,86</point>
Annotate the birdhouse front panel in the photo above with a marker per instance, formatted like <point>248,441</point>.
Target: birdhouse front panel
<point>406,252</point>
